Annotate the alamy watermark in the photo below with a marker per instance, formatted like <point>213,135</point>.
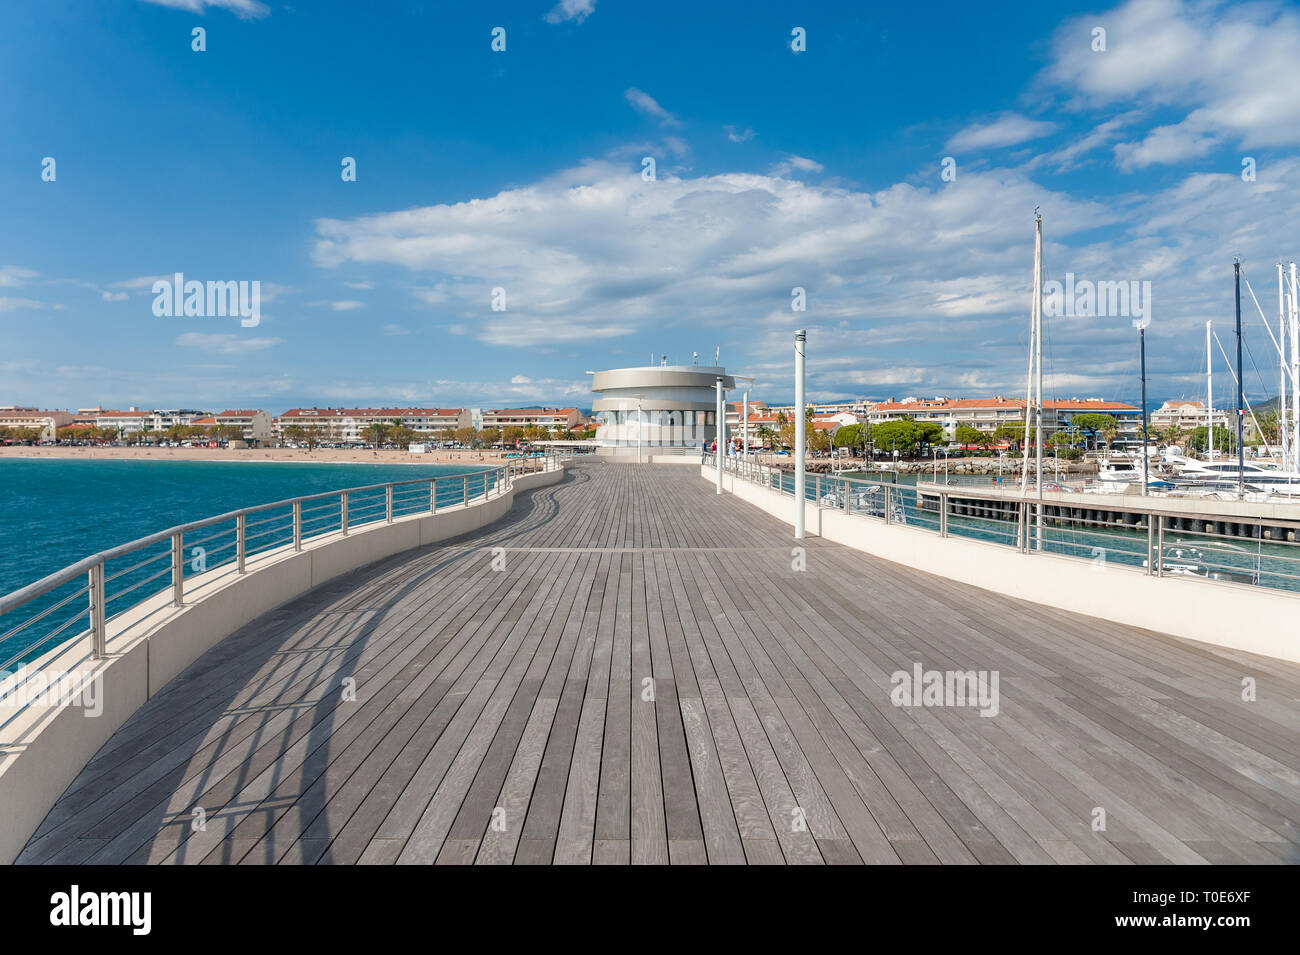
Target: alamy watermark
<point>920,687</point>
<point>51,689</point>
<point>178,298</point>
<point>1084,298</point>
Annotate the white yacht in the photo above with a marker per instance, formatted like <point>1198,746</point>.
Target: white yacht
<point>1118,469</point>
<point>1227,475</point>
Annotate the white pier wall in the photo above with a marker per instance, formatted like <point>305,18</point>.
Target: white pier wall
<point>1235,616</point>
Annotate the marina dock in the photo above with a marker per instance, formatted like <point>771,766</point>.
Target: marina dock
<point>628,668</point>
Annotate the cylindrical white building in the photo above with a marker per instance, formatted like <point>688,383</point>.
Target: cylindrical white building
<point>668,405</point>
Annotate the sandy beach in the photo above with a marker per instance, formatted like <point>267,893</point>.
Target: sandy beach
<point>294,455</point>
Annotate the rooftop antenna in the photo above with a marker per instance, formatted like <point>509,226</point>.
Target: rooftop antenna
<point>695,358</point>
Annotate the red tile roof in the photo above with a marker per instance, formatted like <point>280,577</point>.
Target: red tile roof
<point>370,412</point>
<point>971,404</point>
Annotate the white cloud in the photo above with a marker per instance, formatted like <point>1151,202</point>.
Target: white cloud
<point>794,164</point>
<point>8,304</point>
<point>1166,144</point>
<point>13,275</point>
<point>1232,67</point>
<point>739,137</point>
<point>1072,154</point>
<point>645,103</point>
<point>1008,130</point>
<point>225,344</point>
<point>577,10</point>
<point>113,296</point>
<point>244,9</point>
<point>596,253</point>
<point>393,329</point>
<point>360,285</point>
<point>142,282</point>
<point>346,305</point>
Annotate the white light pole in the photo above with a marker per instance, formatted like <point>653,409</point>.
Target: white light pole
<point>638,428</point>
<point>744,424</point>
<point>800,338</point>
<point>720,431</point>
<point>744,428</point>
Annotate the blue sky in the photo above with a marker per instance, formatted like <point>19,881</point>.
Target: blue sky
<point>522,170</point>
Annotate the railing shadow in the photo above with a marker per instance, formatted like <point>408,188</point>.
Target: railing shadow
<point>274,718</point>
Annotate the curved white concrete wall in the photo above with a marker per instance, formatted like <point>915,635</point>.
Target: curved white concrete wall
<point>1237,616</point>
<point>46,747</point>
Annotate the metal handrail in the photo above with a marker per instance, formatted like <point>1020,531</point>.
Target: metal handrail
<point>1035,525</point>
<point>486,483</point>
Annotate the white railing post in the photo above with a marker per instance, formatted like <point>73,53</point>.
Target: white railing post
<point>343,512</point>
<point>98,616</point>
<point>467,490</point>
<point>1151,546</point>
<point>297,525</point>
<point>178,570</point>
<point>1160,545</point>
<point>241,540</point>
<point>388,504</point>
<point>433,495</point>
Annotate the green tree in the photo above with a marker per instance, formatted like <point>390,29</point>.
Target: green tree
<point>375,433</point>
<point>850,436</point>
<point>1268,424</point>
<point>489,436</point>
<point>1095,424</point>
<point>1171,434</point>
<point>904,436</point>
<point>1224,440</point>
<point>967,435</point>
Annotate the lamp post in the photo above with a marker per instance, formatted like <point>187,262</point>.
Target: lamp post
<point>749,382</point>
<point>720,431</point>
<point>638,428</point>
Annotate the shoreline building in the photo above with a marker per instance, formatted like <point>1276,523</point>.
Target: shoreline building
<point>987,414</point>
<point>1186,416</point>
<point>47,422</point>
<point>565,419</point>
<point>347,425</point>
<point>254,424</point>
<point>673,406</point>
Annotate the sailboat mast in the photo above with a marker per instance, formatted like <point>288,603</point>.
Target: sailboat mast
<point>1142,351</point>
<point>1038,362</point>
<point>1209,392</point>
<point>1241,399</point>
<point>1029,374</point>
<point>1295,371</point>
<point>1283,438</point>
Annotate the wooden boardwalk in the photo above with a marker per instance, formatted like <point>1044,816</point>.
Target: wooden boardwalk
<point>647,680</point>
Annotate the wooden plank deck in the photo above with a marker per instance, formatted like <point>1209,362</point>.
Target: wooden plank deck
<point>649,681</point>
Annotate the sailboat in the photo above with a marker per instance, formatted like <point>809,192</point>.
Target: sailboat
<point>1251,480</point>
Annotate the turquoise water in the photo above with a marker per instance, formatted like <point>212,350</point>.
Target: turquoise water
<point>55,512</point>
